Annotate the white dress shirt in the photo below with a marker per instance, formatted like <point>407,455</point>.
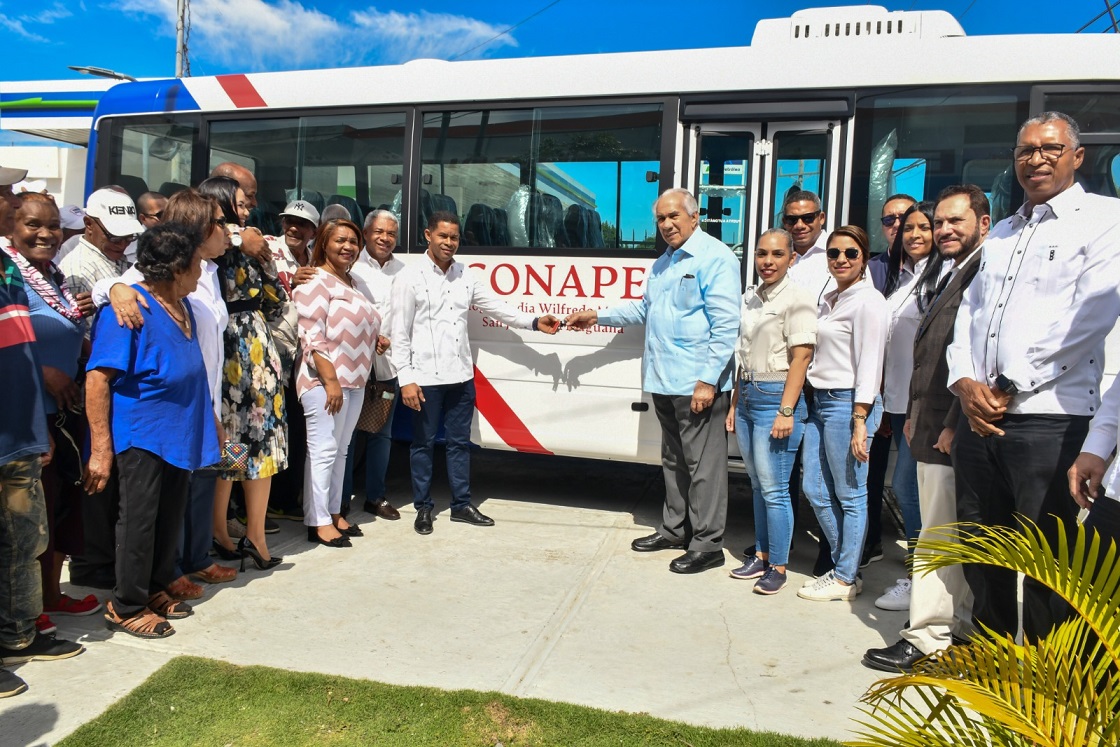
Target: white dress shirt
<point>1046,296</point>
<point>851,339</point>
<point>810,271</point>
<point>429,328</point>
<point>375,282</point>
<point>210,318</point>
<point>905,318</point>
<point>1104,438</point>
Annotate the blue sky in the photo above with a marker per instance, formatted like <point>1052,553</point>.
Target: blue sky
<point>137,37</point>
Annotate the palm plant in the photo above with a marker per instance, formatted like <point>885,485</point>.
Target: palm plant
<point>1063,689</point>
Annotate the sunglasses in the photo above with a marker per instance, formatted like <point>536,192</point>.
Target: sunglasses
<point>850,253</point>
<point>156,216</point>
<point>112,238</point>
<point>806,218</point>
<point>890,220</point>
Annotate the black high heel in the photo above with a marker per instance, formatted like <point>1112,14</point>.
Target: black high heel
<point>223,553</point>
<point>245,546</point>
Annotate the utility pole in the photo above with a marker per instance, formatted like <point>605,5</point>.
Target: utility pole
<point>180,37</point>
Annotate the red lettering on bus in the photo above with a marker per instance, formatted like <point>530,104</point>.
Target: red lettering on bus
<point>599,284</point>
<point>571,280</point>
<point>631,285</point>
<point>514,275</point>
<point>531,275</point>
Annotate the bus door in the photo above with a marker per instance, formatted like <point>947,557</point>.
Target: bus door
<point>743,171</point>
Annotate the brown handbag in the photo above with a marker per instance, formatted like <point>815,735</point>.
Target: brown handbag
<point>379,401</point>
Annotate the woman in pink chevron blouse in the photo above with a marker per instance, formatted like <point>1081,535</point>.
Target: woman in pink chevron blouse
<point>338,331</point>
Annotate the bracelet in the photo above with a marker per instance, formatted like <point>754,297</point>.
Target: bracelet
<point>857,416</point>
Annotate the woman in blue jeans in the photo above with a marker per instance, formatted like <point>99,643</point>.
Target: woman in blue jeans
<point>846,373</point>
<point>777,331</point>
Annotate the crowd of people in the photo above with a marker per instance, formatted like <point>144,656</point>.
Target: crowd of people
<point>277,357</point>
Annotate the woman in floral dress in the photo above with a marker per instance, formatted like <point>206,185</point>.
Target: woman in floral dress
<point>252,387</point>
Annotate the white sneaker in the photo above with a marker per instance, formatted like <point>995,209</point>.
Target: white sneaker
<point>896,598</point>
<point>828,589</point>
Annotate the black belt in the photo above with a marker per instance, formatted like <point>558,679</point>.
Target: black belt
<point>236,307</point>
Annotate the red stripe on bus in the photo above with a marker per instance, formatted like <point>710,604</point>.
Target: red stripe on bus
<point>502,418</point>
<point>240,91</point>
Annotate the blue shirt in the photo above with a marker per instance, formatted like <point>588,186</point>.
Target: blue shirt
<point>58,341</point>
<point>691,312</point>
<point>160,395</point>
<point>23,427</point>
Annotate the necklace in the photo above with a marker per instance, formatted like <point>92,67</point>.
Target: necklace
<point>182,318</point>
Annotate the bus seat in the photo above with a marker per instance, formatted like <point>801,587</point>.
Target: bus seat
<point>478,229</point>
<point>351,206</point>
<point>310,195</point>
<point>575,225</point>
<point>595,230</point>
<point>169,188</point>
<point>134,185</point>
<point>501,227</point>
<point>551,220</point>
<point>444,202</point>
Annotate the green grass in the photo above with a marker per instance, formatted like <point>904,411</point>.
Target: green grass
<point>193,701</point>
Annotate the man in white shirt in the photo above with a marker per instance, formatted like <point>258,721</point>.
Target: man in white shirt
<point>374,272</point>
<point>432,355</point>
<point>803,217</point>
<point>1027,359</point>
<point>110,227</point>
<point>1092,483</point>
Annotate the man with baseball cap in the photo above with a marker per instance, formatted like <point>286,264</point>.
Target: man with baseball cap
<point>110,226</point>
<point>8,177</point>
<point>298,222</point>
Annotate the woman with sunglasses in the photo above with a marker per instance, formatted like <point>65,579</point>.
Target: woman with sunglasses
<point>777,331</point>
<point>253,386</point>
<point>846,373</point>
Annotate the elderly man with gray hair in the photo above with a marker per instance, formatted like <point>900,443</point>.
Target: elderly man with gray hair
<point>373,274</point>
<point>690,310</point>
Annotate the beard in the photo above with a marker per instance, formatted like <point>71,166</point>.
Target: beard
<point>967,245</point>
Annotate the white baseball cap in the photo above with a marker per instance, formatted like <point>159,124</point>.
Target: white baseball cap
<point>8,177</point>
<point>302,209</point>
<point>116,211</point>
<point>71,216</point>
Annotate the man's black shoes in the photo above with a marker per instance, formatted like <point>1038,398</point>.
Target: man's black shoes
<point>694,561</point>
<point>655,542</point>
<point>901,657</point>
<point>471,515</point>
<point>423,523</point>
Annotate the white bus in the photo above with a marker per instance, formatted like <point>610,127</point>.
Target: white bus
<point>553,164</point>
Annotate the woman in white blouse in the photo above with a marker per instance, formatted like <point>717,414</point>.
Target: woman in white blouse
<point>777,331</point>
<point>916,255</point>
<point>846,372</point>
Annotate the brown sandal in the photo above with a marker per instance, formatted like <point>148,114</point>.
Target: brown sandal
<point>144,624</point>
<point>164,605</point>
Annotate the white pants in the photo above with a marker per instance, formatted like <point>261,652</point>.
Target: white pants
<point>328,439</point>
<point>940,602</point>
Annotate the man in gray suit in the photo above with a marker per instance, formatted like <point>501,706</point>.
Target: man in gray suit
<point>940,602</point>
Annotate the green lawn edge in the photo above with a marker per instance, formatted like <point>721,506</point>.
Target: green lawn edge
<point>195,701</point>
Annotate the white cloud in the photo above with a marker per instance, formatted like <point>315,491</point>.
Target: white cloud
<point>285,34</point>
<point>19,24</point>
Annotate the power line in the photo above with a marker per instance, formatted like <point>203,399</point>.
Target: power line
<point>503,33</point>
<point>1106,12</point>
<point>962,15</point>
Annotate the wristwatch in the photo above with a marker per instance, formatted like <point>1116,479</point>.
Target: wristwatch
<point>1006,385</point>
<point>785,411</point>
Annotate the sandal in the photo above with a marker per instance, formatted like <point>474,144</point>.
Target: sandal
<point>164,605</point>
<point>144,624</point>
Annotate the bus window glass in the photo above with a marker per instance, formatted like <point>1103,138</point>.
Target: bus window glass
<point>1100,170</point>
<point>1094,111</point>
<point>800,163</point>
<point>920,144</point>
<point>724,183</point>
<point>551,178</point>
<point>353,160</point>
<point>151,157</point>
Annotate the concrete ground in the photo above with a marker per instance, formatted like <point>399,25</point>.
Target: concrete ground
<point>550,603</point>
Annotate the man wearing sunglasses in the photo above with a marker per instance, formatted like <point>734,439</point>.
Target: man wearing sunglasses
<point>111,226</point>
<point>803,217</point>
<point>1027,360</point>
<point>151,205</point>
<point>893,210</point>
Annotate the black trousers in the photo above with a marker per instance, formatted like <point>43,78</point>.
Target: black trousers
<point>286,491</point>
<point>100,511</point>
<point>153,501</point>
<point>1003,478</point>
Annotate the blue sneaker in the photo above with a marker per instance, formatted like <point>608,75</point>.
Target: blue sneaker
<point>752,568</point>
<point>771,582</point>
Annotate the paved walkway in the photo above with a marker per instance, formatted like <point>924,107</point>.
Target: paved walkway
<point>550,603</point>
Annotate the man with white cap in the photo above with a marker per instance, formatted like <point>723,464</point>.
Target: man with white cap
<point>8,177</point>
<point>110,226</point>
<point>299,222</point>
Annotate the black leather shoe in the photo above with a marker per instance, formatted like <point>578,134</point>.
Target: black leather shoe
<point>313,537</point>
<point>382,509</point>
<point>423,523</point>
<point>351,531</point>
<point>901,657</point>
<point>471,515</point>
<point>656,542</point>
<point>694,561</point>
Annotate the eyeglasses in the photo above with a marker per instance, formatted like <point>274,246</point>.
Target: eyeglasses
<point>890,220</point>
<point>851,253</point>
<point>1049,152</point>
<point>806,218</point>
<point>112,238</point>
<point>157,216</point>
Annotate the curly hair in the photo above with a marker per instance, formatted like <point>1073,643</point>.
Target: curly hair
<point>165,251</point>
<point>319,250</point>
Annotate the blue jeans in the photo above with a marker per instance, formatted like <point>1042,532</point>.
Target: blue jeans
<point>454,404</point>
<point>769,462</point>
<point>904,482</point>
<point>834,481</point>
<point>23,537</point>
<point>378,446</point>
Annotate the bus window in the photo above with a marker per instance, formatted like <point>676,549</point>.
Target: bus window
<point>956,137</point>
<point>151,157</point>
<point>554,178</point>
<point>1100,170</point>
<point>800,163</point>
<point>353,160</point>
<point>1094,111</point>
<point>724,184</point>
